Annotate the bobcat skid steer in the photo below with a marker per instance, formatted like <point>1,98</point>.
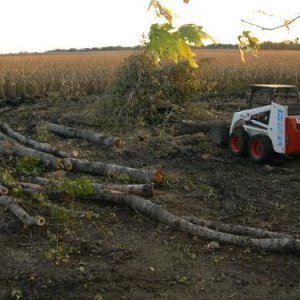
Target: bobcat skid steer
<point>274,128</point>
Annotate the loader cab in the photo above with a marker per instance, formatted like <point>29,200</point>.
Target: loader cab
<point>270,125</point>
<point>264,94</point>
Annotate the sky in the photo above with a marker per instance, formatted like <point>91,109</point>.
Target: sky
<point>40,25</point>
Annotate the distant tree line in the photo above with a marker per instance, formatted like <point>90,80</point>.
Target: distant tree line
<point>284,45</point>
<point>94,49</point>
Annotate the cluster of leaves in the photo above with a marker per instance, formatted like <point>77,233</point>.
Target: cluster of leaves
<point>175,44</point>
<point>171,43</point>
<point>6,176</point>
<point>81,186</point>
<point>29,165</point>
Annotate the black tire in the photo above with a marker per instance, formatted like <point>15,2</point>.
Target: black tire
<point>260,148</point>
<point>238,142</point>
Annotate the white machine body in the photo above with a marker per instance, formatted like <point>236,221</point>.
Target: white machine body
<point>268,120</point>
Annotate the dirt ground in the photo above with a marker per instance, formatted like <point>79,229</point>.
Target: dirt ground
<point>122,254</point>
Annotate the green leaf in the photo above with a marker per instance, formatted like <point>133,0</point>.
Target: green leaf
<point>194,35</point>
<point>165,42</point>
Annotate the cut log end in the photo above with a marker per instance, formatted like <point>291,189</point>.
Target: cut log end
<point>75,153</point>
<point>3,190</point>
<point>159,177</point>
<point>148,190</point>
<point>119,143</point>
<point>40,221</point>
<point>67,165</point>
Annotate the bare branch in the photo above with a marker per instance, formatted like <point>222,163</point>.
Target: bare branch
<point>272,28</point>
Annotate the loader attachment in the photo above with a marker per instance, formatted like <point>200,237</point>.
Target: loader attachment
<point>220,135</point>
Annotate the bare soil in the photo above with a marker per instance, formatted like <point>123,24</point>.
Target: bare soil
<point>125,255</point>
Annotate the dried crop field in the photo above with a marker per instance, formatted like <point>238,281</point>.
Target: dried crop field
<point>58,74</point>
<point>224,72</point>
<point>78,74</point>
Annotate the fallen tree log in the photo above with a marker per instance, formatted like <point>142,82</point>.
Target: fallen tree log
<point>44,147</point>
<point>12,204</point>
<point>29,185</point>
<point>236,229</point>
<point>189,127</point>
<point>8,147</point>
<point>88,135</point>
<point>158,213</point>
<point>99,168</point>
<point>145,190</point>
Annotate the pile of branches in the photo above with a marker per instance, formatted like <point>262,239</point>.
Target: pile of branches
<point>134,196</point>
<point>153,92</point>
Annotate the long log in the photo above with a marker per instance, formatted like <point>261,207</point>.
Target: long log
<point>99,168</point>
<point>29,185</point>
<point>189,127</point>
<point>88,135</point>
<point>35,144</point>
<point>158,213</point>
<point>236,229</point>
<point>144,190</point>
<point>8,147</point>
<point>12,204</point>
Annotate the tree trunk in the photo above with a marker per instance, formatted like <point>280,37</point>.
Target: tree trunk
<point>20,213</point>
<point>44,147</point>
<point>189,127</point>
<point>160,214</point>
<point>89,135</point>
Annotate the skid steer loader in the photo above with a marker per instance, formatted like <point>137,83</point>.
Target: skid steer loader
<point>267,129</point>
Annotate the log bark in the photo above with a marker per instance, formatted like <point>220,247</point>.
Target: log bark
<point>29,185</point>
<point>44,147</point>
<point>12,204</point>
<point>144,190</point>
<point>7,147</point>
<point>236,229</point>
<point>189,127</point>
<point>158,213</point>
<point>99,168</point>
<point>88,135</point>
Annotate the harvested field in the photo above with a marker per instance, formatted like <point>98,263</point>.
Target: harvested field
<point>73,75</point>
